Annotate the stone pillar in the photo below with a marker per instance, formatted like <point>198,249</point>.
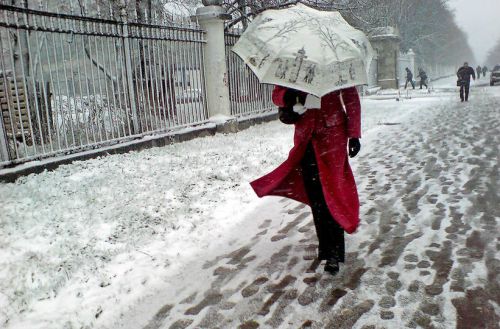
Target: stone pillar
<point>211,18</point>
<point>385,41</point>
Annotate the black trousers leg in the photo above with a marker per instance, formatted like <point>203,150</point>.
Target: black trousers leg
<point>466,87</point>
<point>330,233</point>
<point>462,92</point>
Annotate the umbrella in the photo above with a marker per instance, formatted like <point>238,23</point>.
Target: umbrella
<point>306,49</point>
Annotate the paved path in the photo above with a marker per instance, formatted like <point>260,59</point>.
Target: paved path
<point>426,256</point>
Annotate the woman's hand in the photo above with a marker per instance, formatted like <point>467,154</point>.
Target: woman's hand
<point>288,116</point>
<point>354,147</point>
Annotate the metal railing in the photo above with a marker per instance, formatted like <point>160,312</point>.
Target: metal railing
<point>247,95</point>
<point>69,83</point>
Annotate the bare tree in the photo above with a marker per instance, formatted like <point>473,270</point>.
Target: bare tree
<point>94,61</point>
<point>426,26</point>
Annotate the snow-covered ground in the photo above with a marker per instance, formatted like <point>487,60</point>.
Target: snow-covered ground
<point>174,237</point>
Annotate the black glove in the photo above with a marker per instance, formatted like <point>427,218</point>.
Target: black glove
<point>354,147</point>
<point>288,116</point>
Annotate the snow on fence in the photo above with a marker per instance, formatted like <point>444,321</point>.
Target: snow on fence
<point>247,95</point>
<point>70,83</point>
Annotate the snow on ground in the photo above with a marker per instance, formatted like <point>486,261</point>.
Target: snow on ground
<point>153,238</point>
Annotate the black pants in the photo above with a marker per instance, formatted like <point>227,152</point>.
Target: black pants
<point>411,82</point>
<point>464,88</point>
<point>422,83</point>
<point>330,233</point>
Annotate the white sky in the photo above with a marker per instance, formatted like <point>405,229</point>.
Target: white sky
<point>480,19</point>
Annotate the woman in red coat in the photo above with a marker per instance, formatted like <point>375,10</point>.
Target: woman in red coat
<point>317,170</point>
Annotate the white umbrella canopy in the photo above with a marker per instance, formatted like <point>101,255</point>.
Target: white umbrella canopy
<point>306,49</point>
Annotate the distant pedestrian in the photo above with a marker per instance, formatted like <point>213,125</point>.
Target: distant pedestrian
<point>423,78</point>
<point>409,78</point>
<point>485,69</point>
<point>479,69</point>
<point>317,170</point>
<point>464,73</point>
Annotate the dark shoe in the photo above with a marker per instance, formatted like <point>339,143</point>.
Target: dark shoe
<point>332,266</point>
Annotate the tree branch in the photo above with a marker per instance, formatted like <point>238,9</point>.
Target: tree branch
<point>87,51</point>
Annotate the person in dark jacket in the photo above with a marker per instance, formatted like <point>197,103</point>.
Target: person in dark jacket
<point>485,70</point>
<point>479,69</point>
<point>409,78</point>
<point>464,73</point>
<point>317,171</point>
<point>423,78</point>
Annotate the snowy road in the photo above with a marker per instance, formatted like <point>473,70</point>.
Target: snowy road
<point>167,238</point>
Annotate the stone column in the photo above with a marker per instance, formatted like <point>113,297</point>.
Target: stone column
<point>211,18</point>
<point>385,41</point>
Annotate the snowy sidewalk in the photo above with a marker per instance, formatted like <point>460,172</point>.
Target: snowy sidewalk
<point>426,255</point>
<point>129,242</point>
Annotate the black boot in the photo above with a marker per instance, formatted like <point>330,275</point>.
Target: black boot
<point>332,266</point>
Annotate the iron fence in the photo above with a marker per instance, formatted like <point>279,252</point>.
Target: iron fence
<point>437,71</point>
<point>247,95</point>
<point>71,82</point>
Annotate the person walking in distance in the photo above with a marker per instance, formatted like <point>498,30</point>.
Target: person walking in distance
<point>464,74</point>
<point>423,78</point>
<point>317,171</point>
<point>479,69</point>
<point>485,70</point>
<point>409,78</point>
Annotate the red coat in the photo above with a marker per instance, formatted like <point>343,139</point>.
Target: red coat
<point>328,129</point>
